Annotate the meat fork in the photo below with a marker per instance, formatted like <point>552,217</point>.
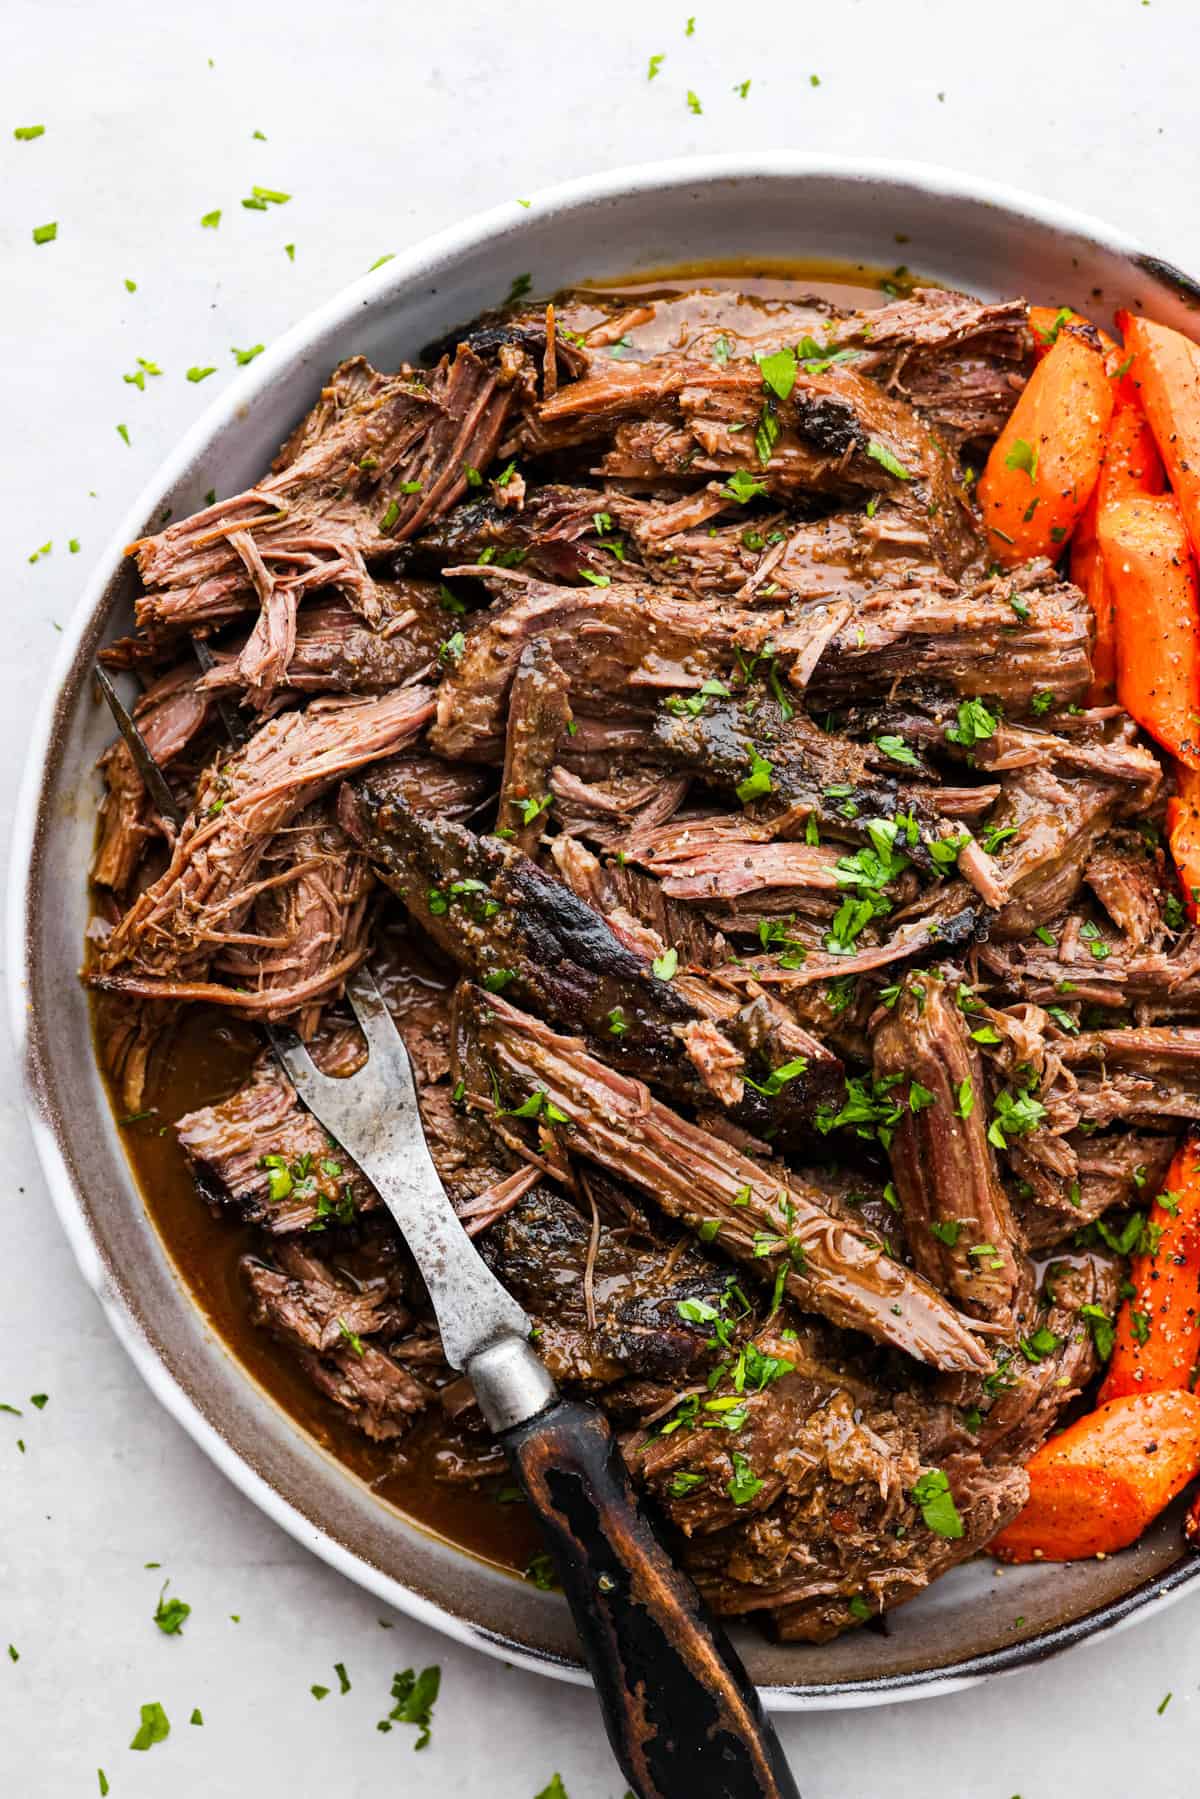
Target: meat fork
<point>682,1716</point>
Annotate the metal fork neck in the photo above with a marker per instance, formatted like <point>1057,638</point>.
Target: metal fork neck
<point>510,1383</point>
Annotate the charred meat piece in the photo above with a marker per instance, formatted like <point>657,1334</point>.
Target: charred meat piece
<point>309,924</point>
<point>165,944</point>
<point>515,927</point>
<point>1112,1171</point>
<point>1139,1075</point>
<point>1051,1363</point>
<point>386,460</point>
<point>960,1226</point>
<point>785,1234</point>
<point>973,642</point>
<point>632,1286</point>
<point>554,536</point>
<point>330,1325</point>
<point>1155,983</point>
<point>837,432</point>
<point>815,1521</point>
<point>619,648</point>
<point>337,651</point>
<point>539,712</point>
<point>305,1182</point>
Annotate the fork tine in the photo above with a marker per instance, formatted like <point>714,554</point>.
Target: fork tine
<point>389,1057</point>
<point>302,1071</point>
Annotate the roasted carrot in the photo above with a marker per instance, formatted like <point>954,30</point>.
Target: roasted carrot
<point>1095,1488</point>
<point>1149,568</point>
<point>1165,370</point>
<point>1045,462</point>
<point>1045,323</point>
<point>1131,465</point>
<point>1157,1343</point>
<point>1183,835</point>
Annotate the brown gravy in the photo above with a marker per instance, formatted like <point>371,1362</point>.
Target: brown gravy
<point>211,1054</point>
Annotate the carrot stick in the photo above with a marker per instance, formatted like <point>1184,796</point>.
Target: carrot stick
<point>1157,1343</point>
<point>1095,1488</point>
<point>1132,465</point>
<point>1183,835</point>
<point>1165,370</point>
<point>1045,462</point>
<point>1148,564</point>
<point>1045,323</point>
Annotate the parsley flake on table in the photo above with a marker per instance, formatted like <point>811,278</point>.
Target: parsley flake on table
<point>14,1655</point>
<point>171,1614</point>
<point>155,1727</point>
<point>196,373</point>
<point>45,234</point>
<point>25,134</point>
<point>656,63</point>
<point>415,1696</point>
<point>130,286</point>
<point>693,102</point>
<point>242,357</point>
<point>260,135</point>
<point>102,1778</point>
<point>289,251</point>
<point>262,197</point>
<point>741,88</point>
<point>319,1692</point>
<point>339,1669</point>
<point>197,1716</point>
<point>554,1789</point>
<point>123,433</point>
<point>210,220</point>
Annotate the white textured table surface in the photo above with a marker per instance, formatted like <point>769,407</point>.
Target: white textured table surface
<point>386,122</point>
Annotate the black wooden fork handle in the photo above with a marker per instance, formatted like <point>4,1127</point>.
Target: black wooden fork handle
<point>682,1716</point>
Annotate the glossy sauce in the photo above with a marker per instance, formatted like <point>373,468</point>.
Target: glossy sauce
<point>212,1051</point>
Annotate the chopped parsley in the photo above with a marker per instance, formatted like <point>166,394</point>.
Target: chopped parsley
<point>665,966</point>
<point>1102,1328</point>
<point>171,1614</point>
<point>155,1727</point>
<point>533,808</point>
<point>196,373</point>
<point>964,1098</point>
<point>1014,1115</point>
<point>879,452</point>
<point>897,750</point>
<point>45,234</point>
<point>936,1502</point>
<point>656,63</point>
<point>497,979</point>
<point>946,1231</point>
<point>211,220</point>
<point>974,725</point>
<point>1041,703</point>
<point>779,372</point>
<point>757,782</point>
<point>242,357</point>
<point>1023,456</point>
<point>683,1483</point>
<point>742,487</point>
<point>766,434</point>
<point>350,1338</point>
<point>25,134</point>
<point>123,433</point>
<point>693,103</point>
<point>540,1572</point>
<point>744,1485</point>
<point>742,88</point>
